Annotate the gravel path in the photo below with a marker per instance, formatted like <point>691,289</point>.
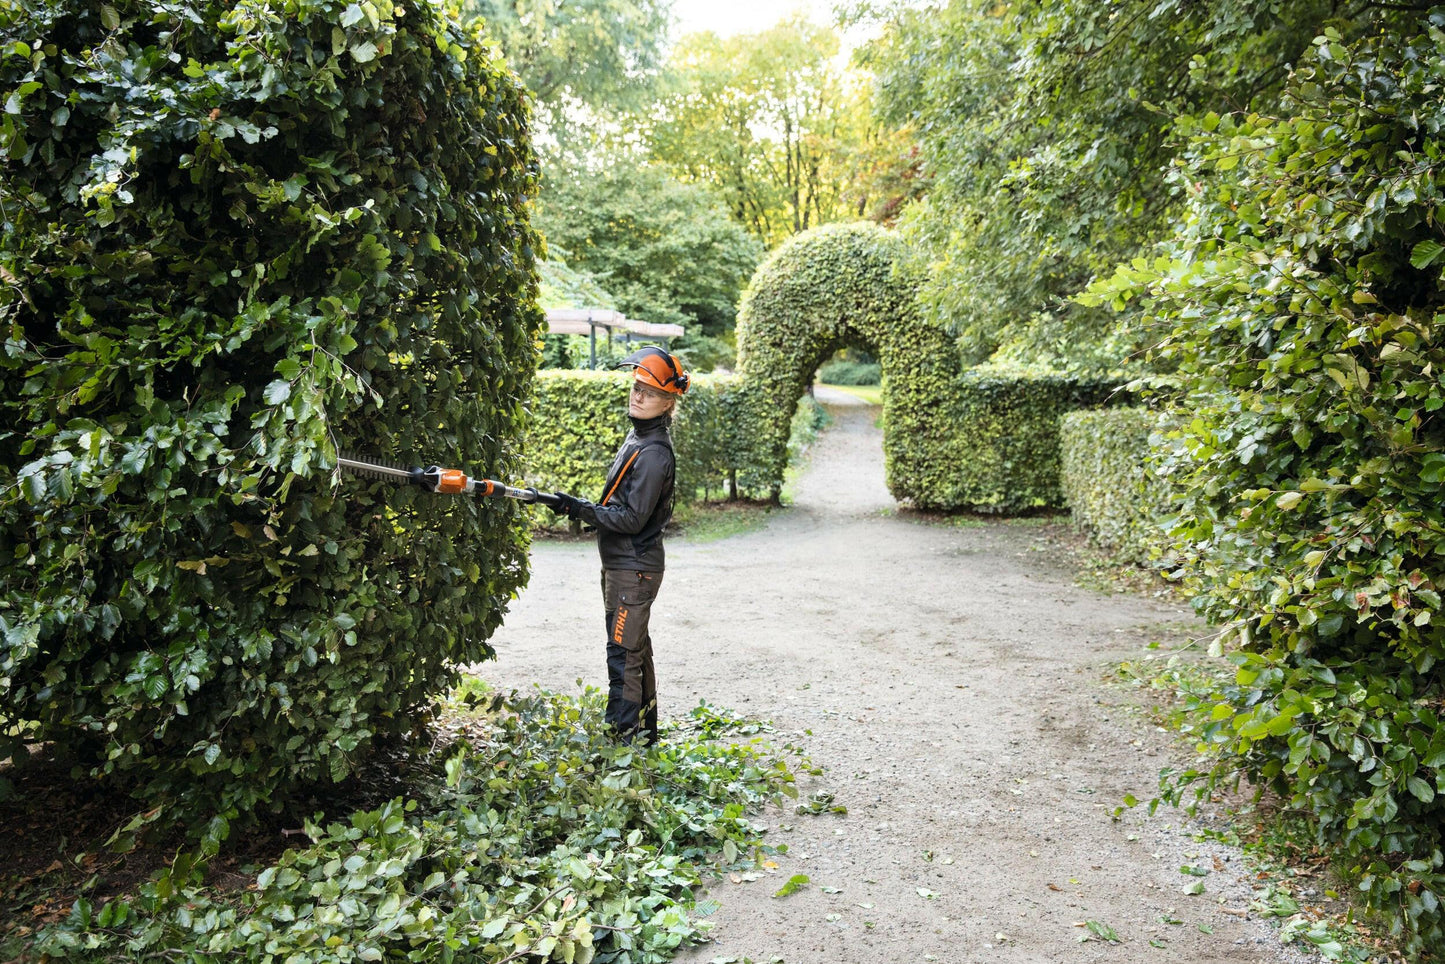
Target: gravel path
<point>952,680</point>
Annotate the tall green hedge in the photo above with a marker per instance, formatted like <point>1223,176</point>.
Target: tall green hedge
<point>1303,300</point>
<point>1108,481</point>
<point>238,237</point>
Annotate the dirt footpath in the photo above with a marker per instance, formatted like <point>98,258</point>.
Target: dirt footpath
<point>953,683</point>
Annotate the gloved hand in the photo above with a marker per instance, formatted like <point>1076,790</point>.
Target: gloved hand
<point>569,505</point>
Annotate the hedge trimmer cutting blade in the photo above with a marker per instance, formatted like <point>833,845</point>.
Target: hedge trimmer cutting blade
<point>434,478</point>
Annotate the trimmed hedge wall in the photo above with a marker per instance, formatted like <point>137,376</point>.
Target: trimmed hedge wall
<point>1107,481</point>
<point>580,419</point>
<point>1004,454</point>
<point>237,239</point>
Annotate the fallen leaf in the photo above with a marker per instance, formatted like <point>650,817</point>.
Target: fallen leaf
<point>794,884</point>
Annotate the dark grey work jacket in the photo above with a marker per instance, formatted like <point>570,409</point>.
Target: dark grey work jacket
<point>629,526</point>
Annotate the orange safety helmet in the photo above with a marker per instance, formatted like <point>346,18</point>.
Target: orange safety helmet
<point>655,368</point>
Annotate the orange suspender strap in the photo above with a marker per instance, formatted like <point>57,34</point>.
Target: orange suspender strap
<point>620,475</point>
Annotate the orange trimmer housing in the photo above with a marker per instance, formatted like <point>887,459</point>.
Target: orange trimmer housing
<point>451,481</point>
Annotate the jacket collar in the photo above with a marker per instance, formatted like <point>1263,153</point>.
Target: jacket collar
<point>651,426</point>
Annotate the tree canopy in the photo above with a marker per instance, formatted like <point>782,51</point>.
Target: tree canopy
<point>1045,129</point>
<point>592,57</point>
<point>779,128</point>
<point>663,250</point>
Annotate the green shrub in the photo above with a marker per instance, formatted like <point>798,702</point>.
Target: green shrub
<point>238,237</point>
<point>1109,483</point>
<point>666,250</point>
<point>1302,301</point>
<point>705,353</point>
<point>850,373</point>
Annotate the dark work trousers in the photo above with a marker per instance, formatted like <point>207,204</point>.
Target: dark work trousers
<point>631,687</point>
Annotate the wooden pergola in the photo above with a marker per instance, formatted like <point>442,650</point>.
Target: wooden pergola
<point>587,321</point>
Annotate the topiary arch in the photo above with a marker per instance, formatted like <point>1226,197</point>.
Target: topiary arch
<point>840,286</point>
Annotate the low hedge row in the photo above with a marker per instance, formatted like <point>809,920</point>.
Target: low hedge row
<point>1002,452</point>
<point>579,418</point>
<point>1104,455</point>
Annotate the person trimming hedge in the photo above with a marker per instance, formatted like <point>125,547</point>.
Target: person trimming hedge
<point>636,505</point>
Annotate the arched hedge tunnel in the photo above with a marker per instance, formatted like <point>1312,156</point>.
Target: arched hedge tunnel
<point>841,285</point>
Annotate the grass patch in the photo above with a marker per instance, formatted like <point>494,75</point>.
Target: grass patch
<point>524,832</point>
<point>872,394</point>
<point>964,519</point>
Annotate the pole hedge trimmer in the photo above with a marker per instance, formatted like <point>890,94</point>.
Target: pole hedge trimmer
<point>434,478</point>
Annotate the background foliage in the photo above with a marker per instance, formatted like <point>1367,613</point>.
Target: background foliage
<point>784,133</point>
<point>845,372</point>
<point>1302,303</point>
<point>670,161</point>
<point>665,251</point>
<point>234,242</point>
<point>586,60</point>
<point>1045,139</point>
